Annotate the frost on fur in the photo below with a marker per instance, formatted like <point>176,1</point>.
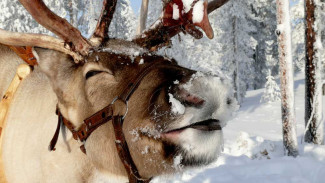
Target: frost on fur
<point>218,94</point>
<point>177,106</point>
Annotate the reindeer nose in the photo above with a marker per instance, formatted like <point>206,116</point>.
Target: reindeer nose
<point>186,98</point>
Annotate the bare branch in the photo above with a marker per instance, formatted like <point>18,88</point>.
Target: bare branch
<point>159,34</point>
<point>38,40</point>
<point>59,26</point>
<point>143,16</point>
<point>100,35</point>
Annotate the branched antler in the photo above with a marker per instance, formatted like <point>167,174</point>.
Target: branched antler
<point>168,25</point>
<point>175,19</point>
<point>72,43</point>
<point>39,40</point>
<point>59,26</point>
<point>100,35</point>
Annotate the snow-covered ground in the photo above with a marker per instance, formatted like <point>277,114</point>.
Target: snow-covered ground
<point>253,149</point>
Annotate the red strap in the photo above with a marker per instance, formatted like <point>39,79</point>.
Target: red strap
<point>57,131</point>
<point>25,53</point>
<point>124,152</point>
<point>89,125</point>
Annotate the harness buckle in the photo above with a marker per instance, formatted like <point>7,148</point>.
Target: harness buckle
<point>125,102</point>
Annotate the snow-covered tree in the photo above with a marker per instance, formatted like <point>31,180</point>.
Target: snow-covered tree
<point>202,54</point>
<point>313,91</point>
<point>272,91</point>
<point>231,51</point>
<point>81,14</point>
<point>14,17</point>
<point>238,46</point>
<point>154,11</point>
<point>286,78</point>
<point>266,52</point>
<point>123,24</point>
<point>298,34</point>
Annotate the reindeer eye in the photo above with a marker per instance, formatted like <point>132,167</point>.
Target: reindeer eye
<point>92,73</point>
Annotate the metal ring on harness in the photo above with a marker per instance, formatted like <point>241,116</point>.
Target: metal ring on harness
<point>125,102</point>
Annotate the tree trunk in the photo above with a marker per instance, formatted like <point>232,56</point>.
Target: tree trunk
<point>286,77</point>
<point>235,62</point>
<point>313,87</point>
<point>143,16</point>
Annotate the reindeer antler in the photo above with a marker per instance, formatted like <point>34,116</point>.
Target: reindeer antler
<point>39,40</point>
<point>173,21</point>
<point>170,24</point>
<point>100,35</point>
<point>72,43</point>
<point>59,26</point>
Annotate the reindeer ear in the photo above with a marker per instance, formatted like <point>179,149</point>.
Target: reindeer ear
<point>58,67</point>
<point>54,64</point>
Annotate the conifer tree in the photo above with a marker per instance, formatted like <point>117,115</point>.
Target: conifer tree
<point>272,91</point>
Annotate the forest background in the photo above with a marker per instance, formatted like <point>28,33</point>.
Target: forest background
<point>244,50</point>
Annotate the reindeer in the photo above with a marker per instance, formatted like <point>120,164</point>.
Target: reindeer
<point>123,113</point>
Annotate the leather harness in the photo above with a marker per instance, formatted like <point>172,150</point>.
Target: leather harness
<point>25,53</point>
<point>105,115</point>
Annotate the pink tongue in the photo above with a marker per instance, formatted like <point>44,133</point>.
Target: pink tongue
<point>172,135</point>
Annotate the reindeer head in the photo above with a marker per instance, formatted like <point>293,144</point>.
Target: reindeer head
<point>174,116</point>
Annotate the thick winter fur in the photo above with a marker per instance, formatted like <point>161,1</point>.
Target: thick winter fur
<point>58,80</point>
<point>8,65</point>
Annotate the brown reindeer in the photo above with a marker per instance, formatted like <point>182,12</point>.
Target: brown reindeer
<point>123,112</point>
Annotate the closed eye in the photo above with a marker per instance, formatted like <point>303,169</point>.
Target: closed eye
<point>92,73</point>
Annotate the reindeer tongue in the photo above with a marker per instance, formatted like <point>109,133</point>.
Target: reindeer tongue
<point>176,13</point>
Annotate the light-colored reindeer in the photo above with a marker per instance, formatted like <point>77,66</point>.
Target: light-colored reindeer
<point>172,120</point>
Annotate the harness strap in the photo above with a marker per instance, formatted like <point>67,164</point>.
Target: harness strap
<point>57,131</point>
<point>25,53</point>
<point>132,86</point>
<point>106,114</point>
<point>124,152</point>
<point>88,126</point>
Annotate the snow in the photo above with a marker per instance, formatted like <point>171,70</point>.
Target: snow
<point>198,12</point>
<point>175,12</point>
<point>177,162</point>
<point>146,150</point>
<point>286,73</point>
<point>280,28</point>
<point>141,61</point>
<point>177,106</point>
<point>272,91</point>
<point>120,47</point>
<point>148,131</point>
<point>253,148</point>
<point>187,5</point>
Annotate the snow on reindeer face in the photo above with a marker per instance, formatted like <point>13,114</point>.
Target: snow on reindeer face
<point>175,115</point>
<point>201,107</point>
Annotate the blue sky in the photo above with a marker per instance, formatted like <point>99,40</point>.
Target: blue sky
<point>136,4</point>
